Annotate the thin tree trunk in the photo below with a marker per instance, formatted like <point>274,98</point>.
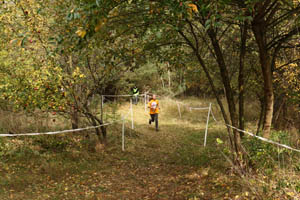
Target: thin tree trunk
<point>74,114</point>
<point>162,82</point>
<point>269,103</point>
<point>74,119</point>
<point>95,122</point>
<point>228,89</point>
<point>261,115</point>
<point>258,27</point>
<point>210,80</point>
<point>277,111</point>
<point>101,108</point>
<point>169,76</point>
<point>241,76</point>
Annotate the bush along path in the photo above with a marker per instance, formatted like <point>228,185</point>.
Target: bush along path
<point>169,164</point>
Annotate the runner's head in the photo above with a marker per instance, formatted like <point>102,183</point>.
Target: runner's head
<point>154,96</point>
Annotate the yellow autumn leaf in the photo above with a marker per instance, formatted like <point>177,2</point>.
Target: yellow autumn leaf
<point>20,43</point>
<point>81,33</point>
<point>290,194</point>
<point>193,7</point>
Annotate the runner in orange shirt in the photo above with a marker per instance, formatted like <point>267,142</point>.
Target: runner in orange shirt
<point>154,110</point>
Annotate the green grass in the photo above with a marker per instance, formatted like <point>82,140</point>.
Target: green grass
<point>169,164</point>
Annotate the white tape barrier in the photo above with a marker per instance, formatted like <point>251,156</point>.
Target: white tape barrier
<point>264,139</point>
<point>258,137</point>
<point>63,131</point>
<point>212,114</point>
<point>125,95</point>
<point>192,108</point>
<point>198,108</point>
<point>131,115</point>
<point>131,108</point>
<point>251,134</point>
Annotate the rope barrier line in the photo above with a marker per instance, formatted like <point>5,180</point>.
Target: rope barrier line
<point>251,134</point>
<point>125,95</point>
<point>204,108</point>
<point>258,137</point>
<point>264,139</point>
<point>192,108</point>
<point>56,132</point>
<point>129,113</point>
<point>213,116</point>
<point>209,108</point>
<point>63,131</point>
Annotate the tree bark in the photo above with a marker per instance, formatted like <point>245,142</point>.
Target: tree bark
<point>241,76</point>
<point>261,115</point>
<point>74,119</point>
<point>162,82</point>
<point>94,121</point>
<point>278,107</point>
<point>169,77</point>
<point>210,80</point>
<point>258,27</point>
<point>226,82</point>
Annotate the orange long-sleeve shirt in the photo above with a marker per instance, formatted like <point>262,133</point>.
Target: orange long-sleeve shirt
<point>154,106</point>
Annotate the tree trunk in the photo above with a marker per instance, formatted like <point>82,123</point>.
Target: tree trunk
<point>210,80</point>
<point>74,119</point>
<point>169,77</point>
<point>269,96</point>
<point>241,76</point>
<point>74,114</point>
<point>101,107</point>
<point>261,115</point>
<point>203,65</point>
<point>278,107</point>
<point>258,27</point>
<point>227,86</point>
<point>162,82</point>
<point>94,120</point>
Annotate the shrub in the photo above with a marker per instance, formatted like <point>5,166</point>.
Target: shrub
<point>266,155</point>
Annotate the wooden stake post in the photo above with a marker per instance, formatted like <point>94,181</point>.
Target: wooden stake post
<point>208,114</point>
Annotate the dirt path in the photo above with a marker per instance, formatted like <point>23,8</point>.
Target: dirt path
<point>169,164</point>
<point>152,167</point>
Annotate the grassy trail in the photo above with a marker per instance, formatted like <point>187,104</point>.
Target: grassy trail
<point>169,164</point>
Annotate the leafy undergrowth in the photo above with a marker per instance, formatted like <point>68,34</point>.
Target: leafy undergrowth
<point>169,164</point>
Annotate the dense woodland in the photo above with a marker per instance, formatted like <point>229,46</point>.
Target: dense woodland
<point>58,57</point>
